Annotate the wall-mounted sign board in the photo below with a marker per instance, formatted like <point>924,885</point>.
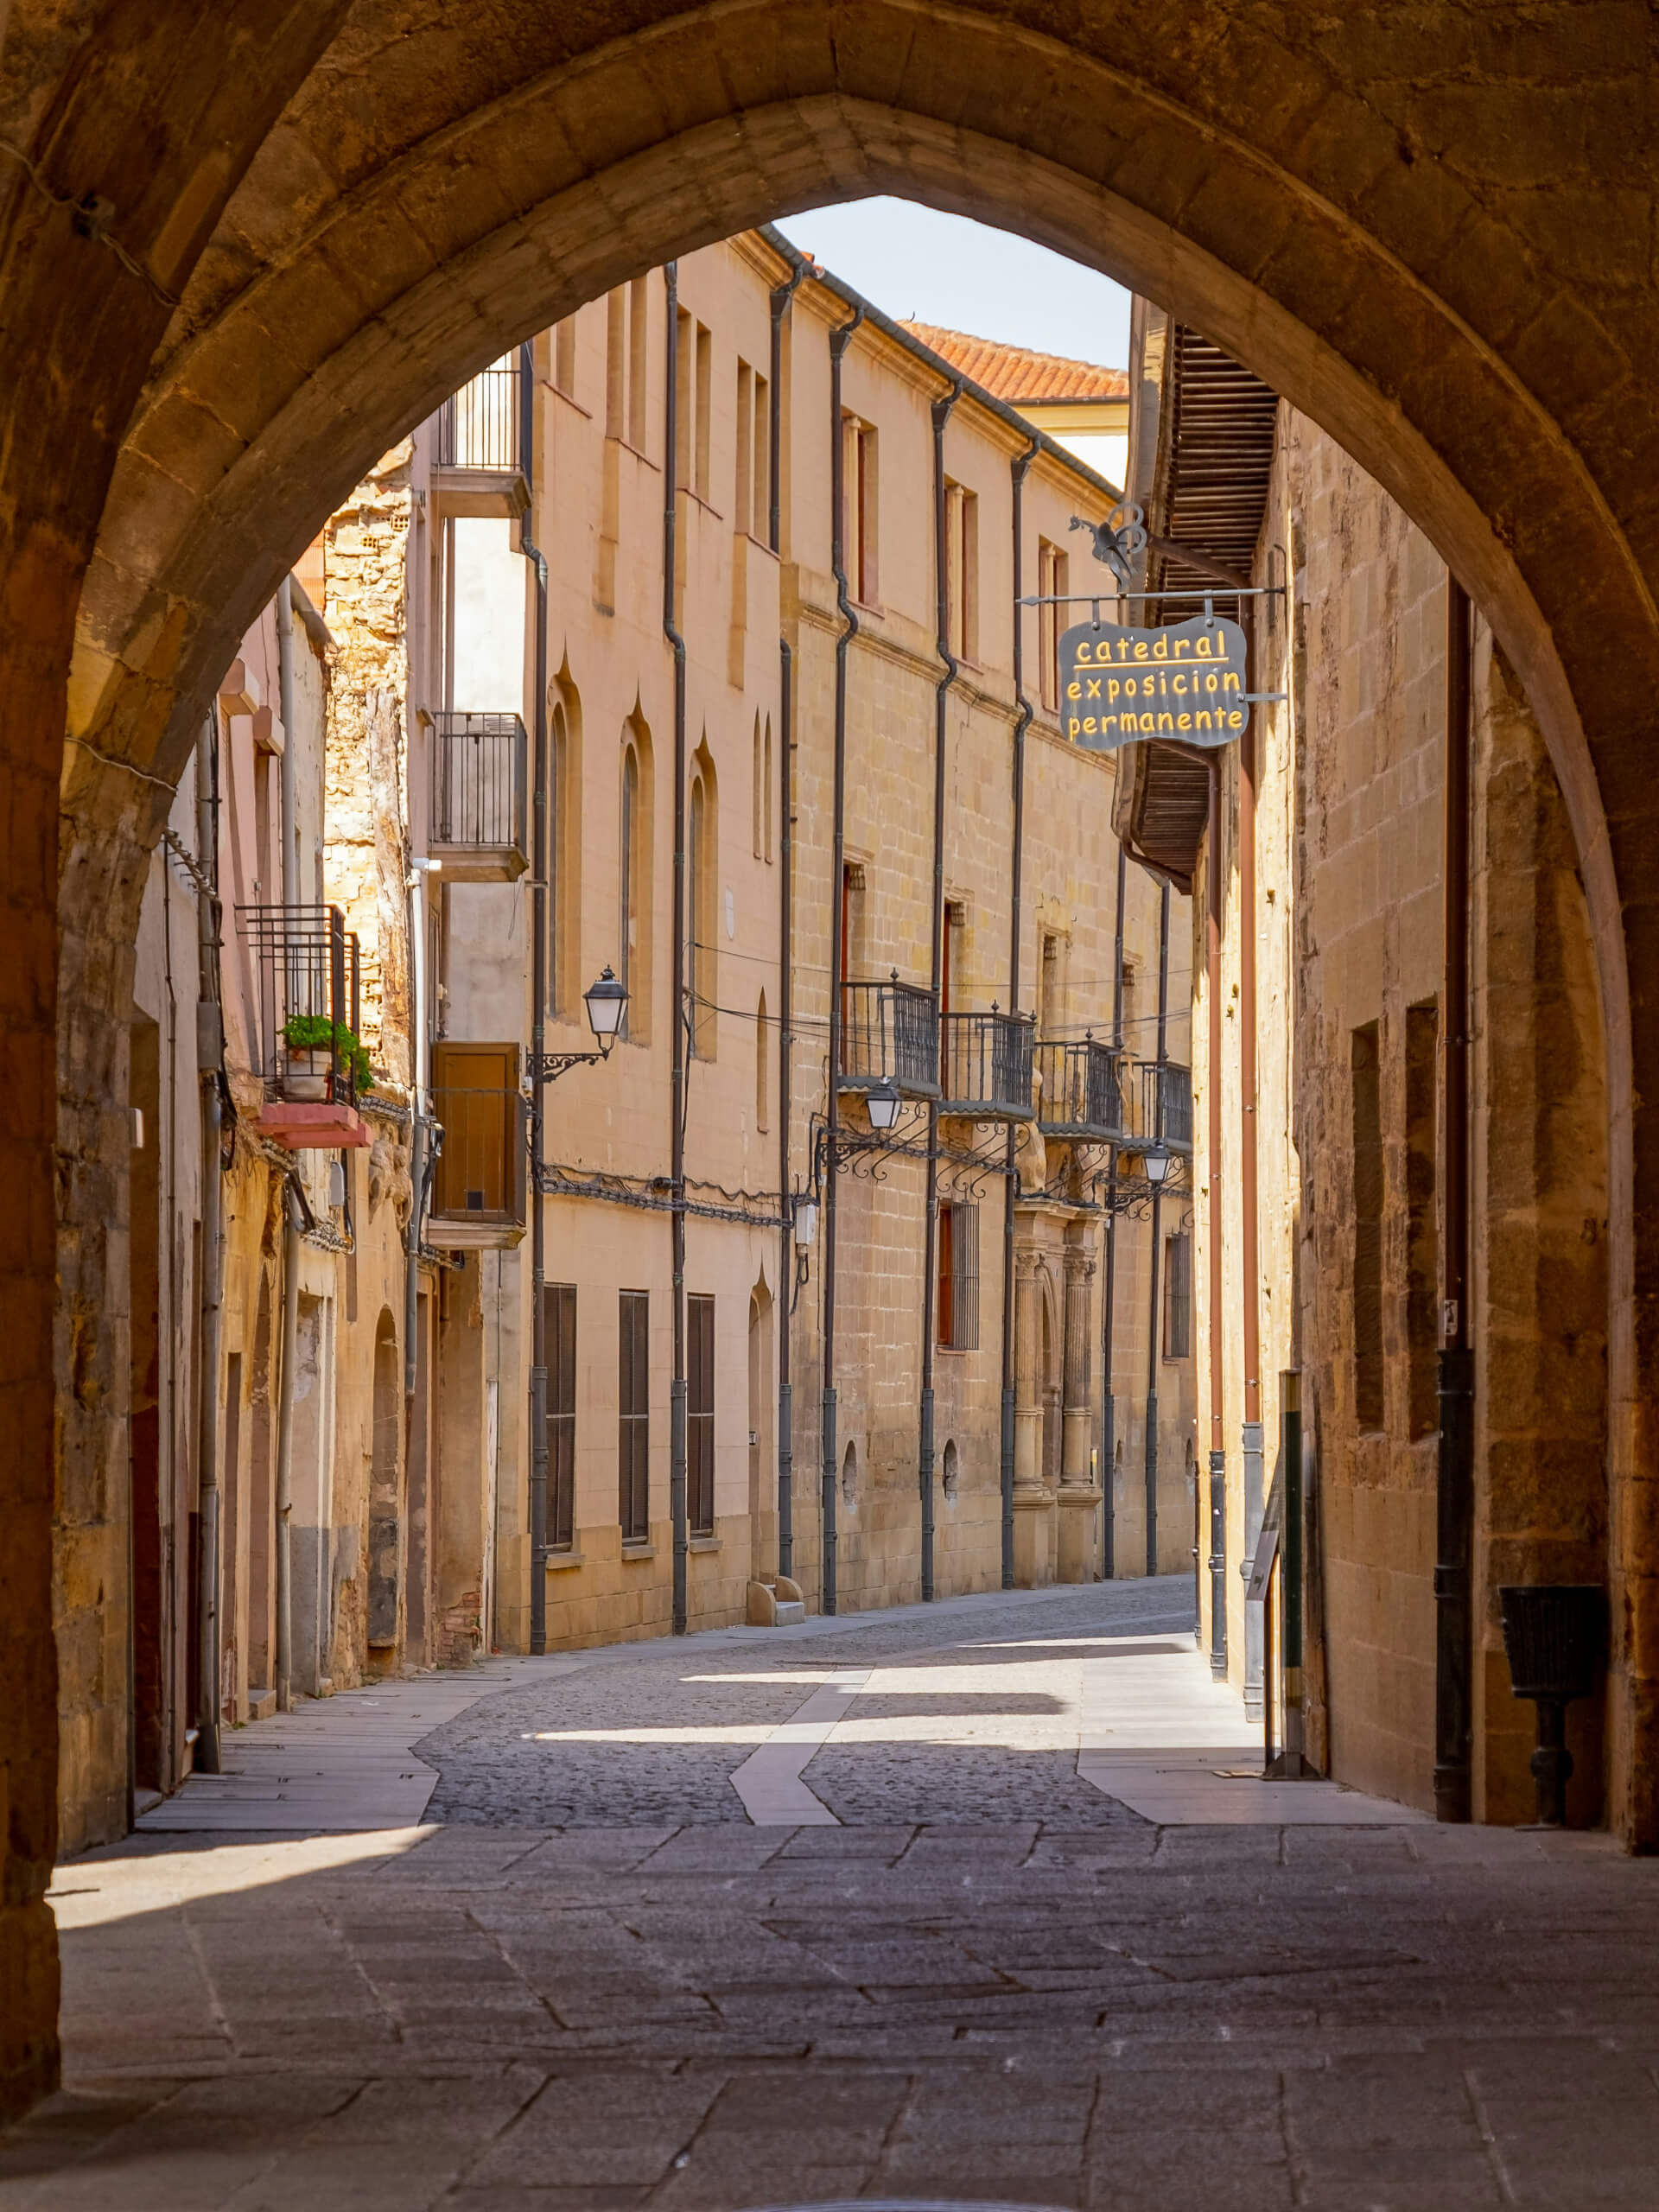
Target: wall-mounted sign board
<point>1186,682</point>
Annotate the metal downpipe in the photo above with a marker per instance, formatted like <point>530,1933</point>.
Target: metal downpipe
<point>1019,468</point>
<point>677,1105</point>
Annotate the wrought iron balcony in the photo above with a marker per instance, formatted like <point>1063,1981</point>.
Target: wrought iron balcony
<point>478,827</point>
<point>307,980</point>
<point>1167,1104</point>
<point>482,458</point>
<point>1081,1094</point>
<point>889,1030</point>
<point>985,1066</point>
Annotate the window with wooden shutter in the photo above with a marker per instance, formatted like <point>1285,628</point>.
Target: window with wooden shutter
<point>475,1099</point>
<point>959,1277</point>
<point>633,1422</point>
<point>559,1307</point>
<point>699,1414</point>
<point>1178,1297</point>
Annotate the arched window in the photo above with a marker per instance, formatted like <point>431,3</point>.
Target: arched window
<point>765,791</point>
<point>628,921</point>
<point>758,796</point>
<point>703,868</point>
<point>849,1475</point>
<point>631,958</point>
<point>762,1068</point>
<point>953,1472</point>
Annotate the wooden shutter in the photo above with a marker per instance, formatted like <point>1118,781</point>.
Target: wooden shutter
<point>559,1306</point>
<point>633,1394</point>
<point>947,1302</point>
<point>959,1276</point>
<point>475,1098</point>
<point>699,1414</point>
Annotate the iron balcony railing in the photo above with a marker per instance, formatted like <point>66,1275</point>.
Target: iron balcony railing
<point>889,1030</point>
<point>1167,1104</point>
<point>484,425</point>
<point>985,1066</point>
<point>479,780</point>
<point>480,1174</point>
<point>1081,1090</point>
<point>308,982</point>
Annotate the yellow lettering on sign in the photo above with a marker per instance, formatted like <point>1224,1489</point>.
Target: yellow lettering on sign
<point>1112,687</point>
<point>1161,647</point>
<point>1183,721</point>
<point>1230,681</point>
<point>1093,692</point>
<point>1203,649</point>
<point>1183,645</point>
<point>1074,691</point>
<point>1235,721</point>
<point>1166,721</point>
<point>1140,649</point>
<point>1072,727</point>
<point>1204,719</point>
<point>1089,725</point>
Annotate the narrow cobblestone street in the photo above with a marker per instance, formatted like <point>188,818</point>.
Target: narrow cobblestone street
<point>863,1909</point>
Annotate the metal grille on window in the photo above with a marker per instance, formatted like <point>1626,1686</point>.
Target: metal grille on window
<point>1178,1297</point>
<point>699,1414</point>
<point>561,1317</point>
<point>634,1425</point>
<point>959,1277</point>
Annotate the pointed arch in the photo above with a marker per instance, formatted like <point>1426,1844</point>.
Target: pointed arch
<point>702,855</point>
<point>635,872</point>
<point>564,959</point>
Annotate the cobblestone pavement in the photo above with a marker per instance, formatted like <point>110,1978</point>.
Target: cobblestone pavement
<point>991,1982</point>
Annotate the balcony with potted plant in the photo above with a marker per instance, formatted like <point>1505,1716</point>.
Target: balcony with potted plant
<point>313,1062</point>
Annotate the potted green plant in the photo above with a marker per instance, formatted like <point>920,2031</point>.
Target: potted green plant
<point>315,1047</point>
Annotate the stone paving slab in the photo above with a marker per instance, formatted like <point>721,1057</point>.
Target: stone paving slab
<point>1035,2005</point>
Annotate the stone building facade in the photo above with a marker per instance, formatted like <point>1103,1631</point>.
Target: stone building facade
<point>777,418</point>
<point>1330,836</point>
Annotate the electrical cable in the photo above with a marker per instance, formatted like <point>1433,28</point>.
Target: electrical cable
<point>92,213</point>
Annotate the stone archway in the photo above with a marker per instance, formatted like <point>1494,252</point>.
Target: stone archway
<point>1428,233</point>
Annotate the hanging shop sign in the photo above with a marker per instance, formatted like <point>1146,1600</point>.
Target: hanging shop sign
<point>1186,682</point>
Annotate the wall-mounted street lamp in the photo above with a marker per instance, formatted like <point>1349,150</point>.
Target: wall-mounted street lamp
<point>882,1105</point>
<point>606,1002</point>
<point>1157,1164</point>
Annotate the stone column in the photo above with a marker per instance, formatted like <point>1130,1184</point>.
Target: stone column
<point>1074,1449</point>
<point>1028,1376</point>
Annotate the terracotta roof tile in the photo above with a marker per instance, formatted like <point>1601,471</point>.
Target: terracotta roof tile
<point>1015,374</point>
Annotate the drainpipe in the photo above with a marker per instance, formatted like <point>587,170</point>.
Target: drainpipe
<point>1455,1482</point>
<point>777,302</point>
<point>1157,1247</point>
<point>840,339</point>
<point>283,1666</point>
<point>676,1085</point>
<point>210,1047</point>
<point>1212,1085</point>
<point>1250,1251</point>
<point>1019,468</point>
<point>1108,1301</point>
<point>940,412</point>
<point>538,559</point>
<point>785,1017</point>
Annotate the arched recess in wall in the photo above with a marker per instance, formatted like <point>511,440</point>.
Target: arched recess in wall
<point>703,919</point>
<point>950,1476</point>
<point>385,1490</point>
<point>849,1475</point>
<point>565,976</point>
<point>636,873</point>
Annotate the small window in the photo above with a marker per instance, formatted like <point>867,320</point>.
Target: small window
<point>1053,571</point>
<point>699,1414</point>
<point>1368,1228</point>
<point>959,1285</point>
<point>633,1422</point>
<point>762,1068</point>
<point>962,571</point>
<point>475,1100</point>
<point>1178,1297</point>
<point>565,357</point>
<point>860,508</point>
<point>638,360</point>
<point>951,1478</point>
<point>753,484</point>
<point>559,1309</point>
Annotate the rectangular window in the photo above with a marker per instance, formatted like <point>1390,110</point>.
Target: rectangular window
<point>638,360</point>
<point>1422,1236</point>
<point>559,1311</point>
<point>565,357</point>
<point>760,467</point>
<point>959,1276</point>
<point>616,364</point>
<point>699,1414</point>
<point>703,396</point>
<point>962,571</point>
<point>1053,571</point>
<point>1178,1297</point>
<point>633,1421</point>
<point>1368,1228</point>
<point>744,488</point>
<point>859,504</point>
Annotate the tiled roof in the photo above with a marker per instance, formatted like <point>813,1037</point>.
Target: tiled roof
<point>1015,374</point>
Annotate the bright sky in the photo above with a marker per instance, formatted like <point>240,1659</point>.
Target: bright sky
<point>918,264</point>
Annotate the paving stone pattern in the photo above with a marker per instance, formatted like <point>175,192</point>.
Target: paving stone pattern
<point>696,2013</point>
